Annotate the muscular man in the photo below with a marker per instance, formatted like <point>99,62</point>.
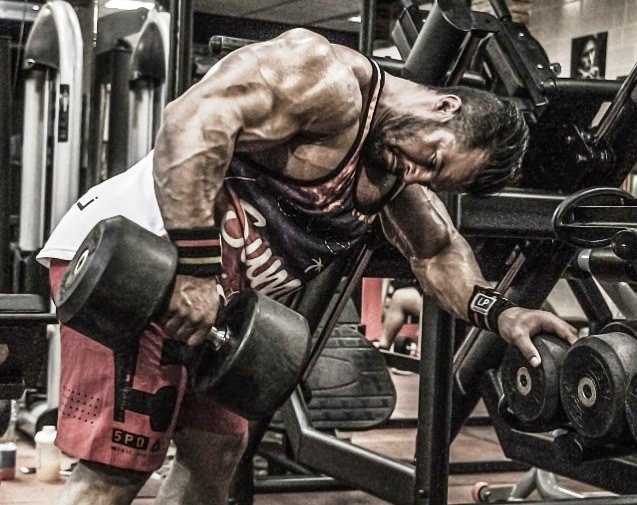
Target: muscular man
<point>287,151</point>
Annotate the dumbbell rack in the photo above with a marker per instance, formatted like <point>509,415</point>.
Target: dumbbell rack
<point>616,474</point>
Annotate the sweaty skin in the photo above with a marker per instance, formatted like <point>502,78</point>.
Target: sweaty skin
<point>294,104</point>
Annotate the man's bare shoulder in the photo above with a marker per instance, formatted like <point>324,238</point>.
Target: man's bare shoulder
<point>297,83</point>
<point>308,51</point>
<point>311,74</point>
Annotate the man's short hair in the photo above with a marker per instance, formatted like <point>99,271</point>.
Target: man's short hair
<point>486,121</point>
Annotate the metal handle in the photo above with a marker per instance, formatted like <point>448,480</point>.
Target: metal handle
<point>220,45</point>
<point>217,337</point>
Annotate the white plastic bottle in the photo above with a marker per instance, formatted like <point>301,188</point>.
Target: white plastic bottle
<point>48,456</point>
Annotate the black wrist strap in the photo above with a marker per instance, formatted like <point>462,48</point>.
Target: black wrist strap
<point>485,306</point>
<point>198,251</point>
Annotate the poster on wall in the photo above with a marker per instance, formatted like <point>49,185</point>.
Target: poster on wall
<point>588,56</point>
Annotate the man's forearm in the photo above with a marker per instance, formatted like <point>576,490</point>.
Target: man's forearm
<point>450,276</point>
<point>189,163</point>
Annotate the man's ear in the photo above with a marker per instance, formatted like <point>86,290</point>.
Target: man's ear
<point>447,106</point>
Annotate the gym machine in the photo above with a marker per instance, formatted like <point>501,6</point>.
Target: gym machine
<point>132,66</point>
<point>52,121</point>
<point>53,62</point>
<point>5,167</point>
<point>22,327</point>
<point>565,154</point>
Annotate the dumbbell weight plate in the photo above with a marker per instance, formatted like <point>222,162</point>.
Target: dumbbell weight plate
<point>631,406</point>
<point>532,394</point>
<point>119,269</point>
<point>255,371</point>
<point>593,383</point>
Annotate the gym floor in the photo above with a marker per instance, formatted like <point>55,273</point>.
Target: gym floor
<point>473,444</point>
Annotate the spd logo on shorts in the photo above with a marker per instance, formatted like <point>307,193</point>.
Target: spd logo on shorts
<point>132,440</point>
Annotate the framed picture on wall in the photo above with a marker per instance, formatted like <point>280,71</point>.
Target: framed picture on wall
<point>588,56</point>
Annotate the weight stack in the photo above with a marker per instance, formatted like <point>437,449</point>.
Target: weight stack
<point>533,394</point>
<point>593,382</point>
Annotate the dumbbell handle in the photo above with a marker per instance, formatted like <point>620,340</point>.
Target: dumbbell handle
<point>218,337</point>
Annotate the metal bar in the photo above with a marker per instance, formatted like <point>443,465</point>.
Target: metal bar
<point>478,420</point>
<point>548,487</point>
<point>181,21</point>
<point>356,272</point>
<point>5,163</point>
<point>220,45</point>
<point>486,466</point>
<point>355,466</point>
<point>401,423</point>
<point>605,265</point>
<point>434,406</point>
<point>368,22</point>
<point>295,484</point>
<point>591,301</point>
<point>277,456</point>
<point>119,124</point>
<point>570,89</point>
<point>501,9</point>
<point>36,128</point>
<point>464,60</point>
<point>610,215</point>
<point>438,42</point>
<point>509,214</point>
<point>401,361</point>
<point>623,96</point>
<point>23,319</point>
<point>310,303</point>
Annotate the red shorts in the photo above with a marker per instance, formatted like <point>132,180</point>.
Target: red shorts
<point>121,409</point>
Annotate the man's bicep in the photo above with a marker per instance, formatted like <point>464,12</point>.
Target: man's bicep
<point>417,223</point>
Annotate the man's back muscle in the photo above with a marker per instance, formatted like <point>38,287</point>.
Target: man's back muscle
<point>314,93</point>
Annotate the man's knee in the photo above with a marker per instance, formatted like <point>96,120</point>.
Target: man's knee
<point>115,476</point>
<point>204,449</point>
<point>203,468</point>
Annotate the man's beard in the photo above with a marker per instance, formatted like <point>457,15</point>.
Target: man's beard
<point>375,184</point>
<point>373,148</point>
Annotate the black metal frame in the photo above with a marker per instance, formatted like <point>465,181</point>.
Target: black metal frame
<point>5,168</point>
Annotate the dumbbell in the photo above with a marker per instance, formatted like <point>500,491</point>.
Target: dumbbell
<point>122,277</point>
<point>595,374</point>
<point>630,403</point>
<point>533,394</point>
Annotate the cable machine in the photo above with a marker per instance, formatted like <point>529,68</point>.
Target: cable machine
<point>53,62</point>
